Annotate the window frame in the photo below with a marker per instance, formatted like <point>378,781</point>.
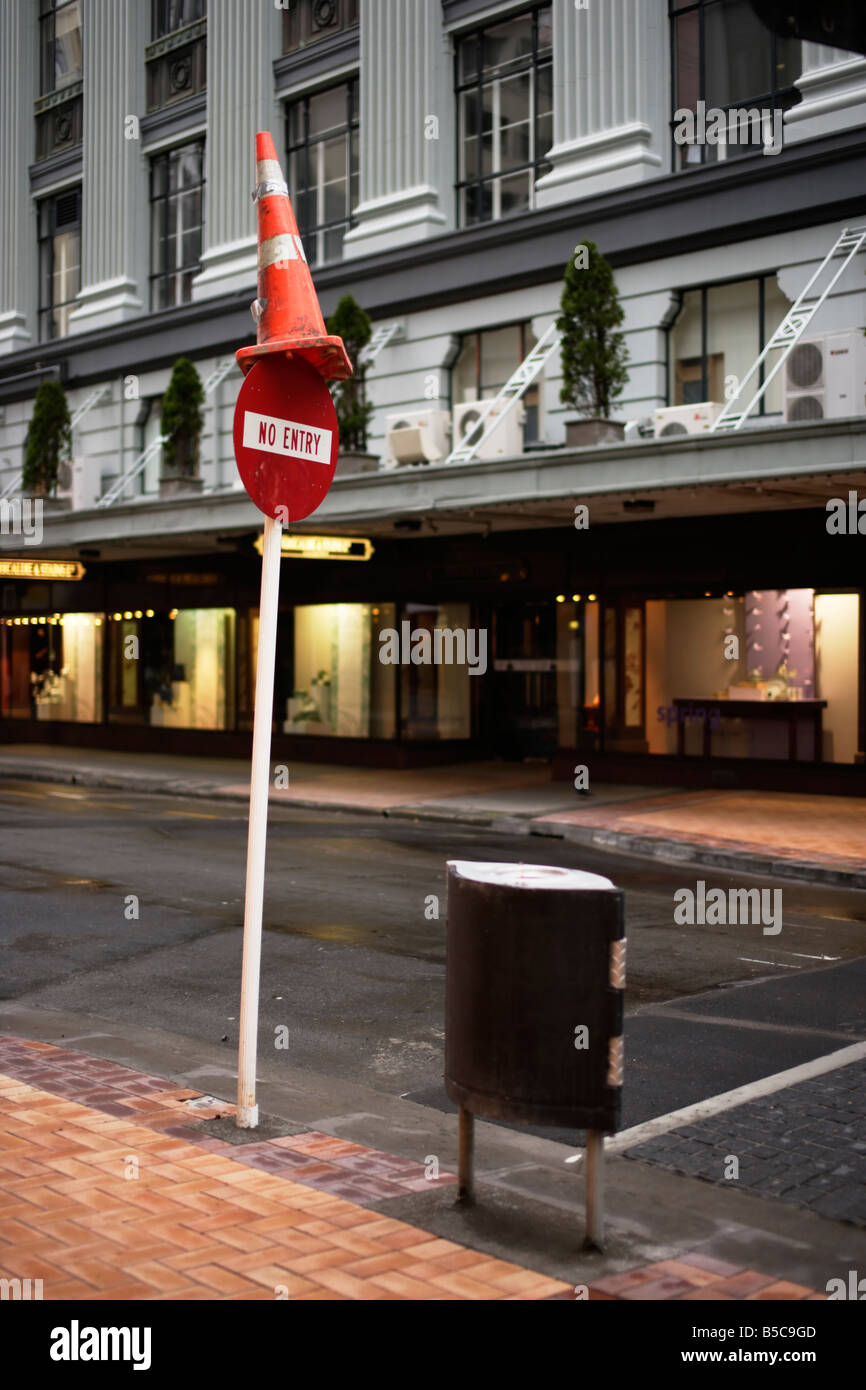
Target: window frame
<point>775,99</point>
<point>47,19</point>
<point>532,425</point>
<point>537,163</point>
<point>46,248</point>
<point>159,9</point>
<point>703,289</point>
<point>166,275</point>
<point>314,236</point>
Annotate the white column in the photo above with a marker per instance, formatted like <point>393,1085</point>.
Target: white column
<point>610,95</point>
<point>242,42</point>
<point>114,226</point>
<point>833,85</point>
<point>18,91</point>
<point>406,127</point>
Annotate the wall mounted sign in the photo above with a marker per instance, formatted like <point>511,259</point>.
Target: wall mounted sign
<point>323,547</point>
<point>41,569</point>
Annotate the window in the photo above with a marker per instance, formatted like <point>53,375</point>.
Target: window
<point>722,55</point>
<point>485,363</point>
<point>59,44</point>
<point>176,191</point>
<point>170,15</point>
<point>504,85</point>
<point>716,337</point>
<point>59,261</point>
<point>323,168</point>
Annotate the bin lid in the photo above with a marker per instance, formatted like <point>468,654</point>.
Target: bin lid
<point>529,875</point>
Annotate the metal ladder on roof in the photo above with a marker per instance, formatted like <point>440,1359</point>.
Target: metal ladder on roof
<point>76,419</point>
<point>139,464</point>
<point>386,333</point>
<point>494,411</point>
<point>793,325</point>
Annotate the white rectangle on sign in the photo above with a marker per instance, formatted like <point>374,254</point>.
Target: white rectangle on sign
<point>287,437</point>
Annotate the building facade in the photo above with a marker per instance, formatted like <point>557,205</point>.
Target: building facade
<point>446,159</point>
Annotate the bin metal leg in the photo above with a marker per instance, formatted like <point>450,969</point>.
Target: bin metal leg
<point>465,1155</point>
<point>594,1191</point>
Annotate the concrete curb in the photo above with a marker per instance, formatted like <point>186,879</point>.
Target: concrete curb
<point>705,856</point>
<point>641,846</point>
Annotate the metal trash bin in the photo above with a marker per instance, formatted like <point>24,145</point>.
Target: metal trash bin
<point>535,974</point>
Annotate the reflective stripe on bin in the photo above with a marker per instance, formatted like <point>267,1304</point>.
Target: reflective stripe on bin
<point>617,964</point>
<point>614,1062</point>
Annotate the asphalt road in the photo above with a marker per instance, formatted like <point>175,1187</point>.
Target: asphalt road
<point>353,963</point>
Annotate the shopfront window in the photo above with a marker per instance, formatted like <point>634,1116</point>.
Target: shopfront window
<point>173,669</point>
<point>52,667</point>
<point>768,673</point>
<point>340,687</point>
<point>716,337</point>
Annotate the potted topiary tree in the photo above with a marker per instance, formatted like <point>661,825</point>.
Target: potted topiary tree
<point>594,354</point>
<point>181,423</point>
<point>48,447</point>
<point>350,322</point>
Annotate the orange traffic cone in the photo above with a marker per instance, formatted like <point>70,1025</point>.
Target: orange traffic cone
<point>287,312</point>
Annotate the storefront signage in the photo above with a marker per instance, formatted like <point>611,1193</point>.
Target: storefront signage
<point>323,547</point>
<point>41,569</point>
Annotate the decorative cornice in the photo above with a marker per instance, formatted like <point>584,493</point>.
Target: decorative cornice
<point>58,98</point>
<point>317,59</point>
<point>178,39</point>
<point>174,119</point>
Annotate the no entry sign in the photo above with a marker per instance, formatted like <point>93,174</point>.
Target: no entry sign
<point>285,437</point>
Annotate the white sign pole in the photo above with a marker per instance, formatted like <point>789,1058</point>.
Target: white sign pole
<point>260,777</point>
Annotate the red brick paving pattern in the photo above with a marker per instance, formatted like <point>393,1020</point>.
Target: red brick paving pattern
<point>823,829</point>
<point>204,1219</point>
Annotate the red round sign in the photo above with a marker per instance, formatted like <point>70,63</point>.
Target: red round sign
<point>285,436</point>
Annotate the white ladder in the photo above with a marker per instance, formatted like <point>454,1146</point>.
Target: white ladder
<point>793,325</point>
<point>76,419</point>
<point>139,464</point>
<point>508,396</point>
<point>386,333</point>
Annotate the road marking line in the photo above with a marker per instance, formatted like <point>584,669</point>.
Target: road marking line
<point>757,960</point>
<point>35,796</point>
<point>727,1100</point>
<point>191,815</point>
<point>714,1020</point>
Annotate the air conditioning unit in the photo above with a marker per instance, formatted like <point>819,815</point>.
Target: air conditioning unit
<point>506,441</point>
<point>685,419</point>
<point>825,377</point>
<point>418,436</point>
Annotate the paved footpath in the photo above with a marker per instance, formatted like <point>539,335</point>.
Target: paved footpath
<point>111,1190</point>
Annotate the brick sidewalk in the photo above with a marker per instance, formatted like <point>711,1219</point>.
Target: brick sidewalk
<point>822,829</point>
<point>110,1192</point>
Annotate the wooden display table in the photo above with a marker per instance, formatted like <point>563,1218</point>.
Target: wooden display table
<point>790,710</point>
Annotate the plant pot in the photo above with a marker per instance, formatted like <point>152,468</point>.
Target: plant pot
<point>581,434</point>
<point>179,487</point>
<point>352,461</point>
